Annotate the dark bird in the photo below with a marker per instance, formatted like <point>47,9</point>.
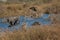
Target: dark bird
<point>16,21</point>
<point>10,22</point>
<point>36,23</point>
<point>46,12</point>
<point>33,8</point>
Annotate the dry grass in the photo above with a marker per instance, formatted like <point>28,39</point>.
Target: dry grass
<point>34,33</point>
<point>7,10</point>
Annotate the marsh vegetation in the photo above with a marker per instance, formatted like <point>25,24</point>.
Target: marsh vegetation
<point>30,20</point>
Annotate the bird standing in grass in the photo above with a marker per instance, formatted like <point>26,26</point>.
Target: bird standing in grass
<point>34,12</point>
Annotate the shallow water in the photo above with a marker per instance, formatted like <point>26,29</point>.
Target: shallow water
<point>29,21</point>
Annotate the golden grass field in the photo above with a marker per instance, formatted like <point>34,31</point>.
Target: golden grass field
<point>15,9</point>
<point>36,32</point>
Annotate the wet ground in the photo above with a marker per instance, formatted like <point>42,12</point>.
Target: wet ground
<point>29,21</point>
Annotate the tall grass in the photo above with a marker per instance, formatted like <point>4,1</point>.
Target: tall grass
<point>7,10</point>
<point>34,33</point>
